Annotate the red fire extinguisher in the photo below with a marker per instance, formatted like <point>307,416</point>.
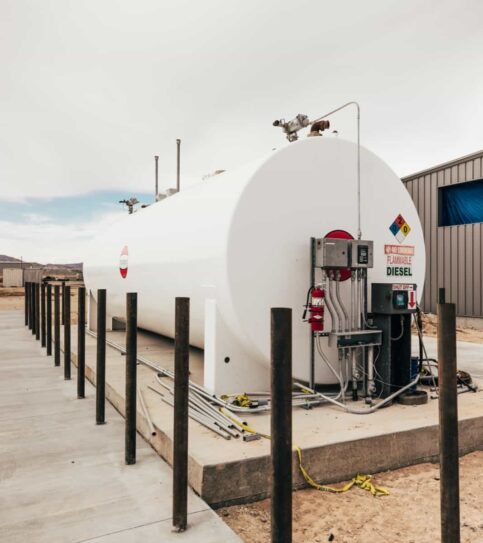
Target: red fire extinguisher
<point>315,306</point>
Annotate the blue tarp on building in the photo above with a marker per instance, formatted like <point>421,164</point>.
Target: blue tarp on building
<point>461,203</point>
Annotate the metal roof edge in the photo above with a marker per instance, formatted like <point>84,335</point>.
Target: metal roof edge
<point>454,162</point>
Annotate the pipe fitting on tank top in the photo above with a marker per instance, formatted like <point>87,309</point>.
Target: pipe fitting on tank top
<point>318,127</point>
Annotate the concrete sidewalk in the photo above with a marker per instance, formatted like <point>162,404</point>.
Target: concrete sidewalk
<point>62,478</point>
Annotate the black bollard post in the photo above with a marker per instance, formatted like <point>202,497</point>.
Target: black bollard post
<point>31,305</point>
<point>81,343</point>
<point>57,325</point>
<point>49,320</point>
<point>67,352</point>
<point>43,327</point>
<point>131,377</point>
<point>27,302</point>
<point>281,424</point>
<point>37,311</point>
<point>448,424</point>
<point>180,434</point>
<point>32,311</point>
<point>63,298</point>
<point>101,358</point>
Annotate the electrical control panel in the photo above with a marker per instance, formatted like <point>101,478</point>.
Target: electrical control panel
<point>393,298</point>
<point>361,253</point>
<point>332,253</point>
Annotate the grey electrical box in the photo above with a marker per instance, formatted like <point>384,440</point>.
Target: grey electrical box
<point>393,298</point>
<point>361,254</point>
<point>332,253</point>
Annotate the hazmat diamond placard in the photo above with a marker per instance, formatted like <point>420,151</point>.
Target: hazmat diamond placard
<point>400,228</point>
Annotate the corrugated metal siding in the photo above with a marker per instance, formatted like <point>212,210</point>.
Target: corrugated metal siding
<point>453,253</point>
<point>13,277</point>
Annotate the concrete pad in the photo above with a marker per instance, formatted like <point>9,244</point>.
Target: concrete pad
<point>336,445</point>
<point>62,477</point>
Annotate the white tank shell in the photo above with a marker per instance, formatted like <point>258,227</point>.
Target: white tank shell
<point>243,238</point>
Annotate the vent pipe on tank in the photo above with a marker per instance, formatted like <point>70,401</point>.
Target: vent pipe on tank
<point>156,190</point>
<point>178,157</point>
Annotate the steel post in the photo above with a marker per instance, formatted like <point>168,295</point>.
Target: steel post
<point>101,358</point>
<point>37,311</point>
<point>26,302</point>
<point>43,327</point>
<point>67,353</point>
<point>31,306</point>
<point>448,424</point>
<point>281,424</point>
<point>131,378</point>
<point>49,320</point>
<point>57,325</point>
<point>63,297</point>
<point>81,342</point>
<point>180,435</point>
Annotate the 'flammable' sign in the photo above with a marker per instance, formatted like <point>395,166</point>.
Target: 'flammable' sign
<point>399,260</point>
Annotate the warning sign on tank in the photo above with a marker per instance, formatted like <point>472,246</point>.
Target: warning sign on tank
<point>400,228</point>
<point>399,260</point>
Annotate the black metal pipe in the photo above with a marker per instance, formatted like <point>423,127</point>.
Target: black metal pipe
<point>34,311</point>
<point>43,327</point>
<point>81,343</point>
<point>180,434</point>
<point>67,352</point>
<point>26,302</point>
<point>49,320</point>
<point>131,377</point>
<point>281,424</point>
<point>63,298</point>
<point>448,424</point>
<point>441,296</point>
<point>57,325</point>
<point>37,311</point>
<point>101,358</point>
<point>31,305</point>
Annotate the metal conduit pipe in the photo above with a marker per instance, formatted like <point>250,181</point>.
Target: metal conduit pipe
<point>358,301</point>
<point>330,307</point>
<point>341,304</point>
<point>371,387</point>
<point>353,301</point>
<point>336,308</point>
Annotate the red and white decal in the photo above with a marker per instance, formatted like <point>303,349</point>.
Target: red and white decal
<point>411,292</point>
<point>123,262</point>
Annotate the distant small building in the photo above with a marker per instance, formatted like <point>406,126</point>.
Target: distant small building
<point>449,200</point>
<point>13,277</point>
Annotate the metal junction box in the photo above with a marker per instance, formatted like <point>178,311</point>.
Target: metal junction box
<point>361,253</point>
<point>332,253</point>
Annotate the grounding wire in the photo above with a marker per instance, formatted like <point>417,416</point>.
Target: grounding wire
<point>402,330</point>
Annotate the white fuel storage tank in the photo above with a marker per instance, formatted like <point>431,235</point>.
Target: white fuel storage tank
<point>241,239</point>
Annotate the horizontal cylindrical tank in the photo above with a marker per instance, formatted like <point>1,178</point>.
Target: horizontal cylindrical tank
<point>243,238</point>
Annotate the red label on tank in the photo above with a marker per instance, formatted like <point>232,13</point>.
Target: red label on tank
<point>123,262</point>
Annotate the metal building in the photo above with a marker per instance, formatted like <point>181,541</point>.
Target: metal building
<point>449,200</point>
<point>13,277</point>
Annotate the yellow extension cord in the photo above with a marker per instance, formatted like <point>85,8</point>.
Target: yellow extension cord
<point>360,480</point>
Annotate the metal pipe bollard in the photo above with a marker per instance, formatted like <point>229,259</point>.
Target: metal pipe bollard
<point>49,320</point>
<point>101,358</point>
<point>281,424</point>
<point>448,424</point>
<point>63,298</point>
<point>81,343</point>
<point>180,435</point>
<point>57,325</point>
<point>26,302</point>
<point>31,305</point>
<point>33,310</point>
<point>37,311</point>
<point>42,314</point>
<point>131,377</point>
<point>67,350</point>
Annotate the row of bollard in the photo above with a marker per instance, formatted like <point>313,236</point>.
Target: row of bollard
<point>281,395</point>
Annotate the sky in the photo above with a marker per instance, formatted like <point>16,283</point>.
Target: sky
<point>90,90</point>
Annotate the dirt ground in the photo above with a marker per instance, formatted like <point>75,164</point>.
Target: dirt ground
<point>410,514</point>
<point>12,298</point>
<point>430,324</point>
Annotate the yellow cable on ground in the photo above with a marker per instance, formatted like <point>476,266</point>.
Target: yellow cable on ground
<point>360,480</point>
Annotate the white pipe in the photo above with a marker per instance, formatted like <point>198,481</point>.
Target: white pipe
<point>353,103</point>
<point>370,374</point>
<point>341,304</point>
<point>337,309</point>
<point>330,307</point>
